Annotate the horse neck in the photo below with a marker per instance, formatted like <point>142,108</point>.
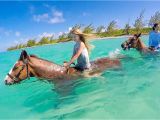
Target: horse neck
<point>39,66</point>
<point>141,46</point>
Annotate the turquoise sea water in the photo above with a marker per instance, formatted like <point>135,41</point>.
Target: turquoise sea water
<point>130,92</point>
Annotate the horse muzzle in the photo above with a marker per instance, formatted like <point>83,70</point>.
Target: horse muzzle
<point>123,47</point>
<point>8,82</point>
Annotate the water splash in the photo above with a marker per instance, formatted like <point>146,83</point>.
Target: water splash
<point>115,54</point>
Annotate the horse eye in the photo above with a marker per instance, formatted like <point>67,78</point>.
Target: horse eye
<point>132,40</point>
<point>15,68</point>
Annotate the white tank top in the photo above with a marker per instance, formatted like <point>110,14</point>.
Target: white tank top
<point>83,60</point>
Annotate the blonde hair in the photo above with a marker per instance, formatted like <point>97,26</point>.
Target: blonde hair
<point>82,38</point>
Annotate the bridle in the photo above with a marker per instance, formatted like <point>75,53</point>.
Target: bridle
<point>16,77</point>
<point>129,43</point>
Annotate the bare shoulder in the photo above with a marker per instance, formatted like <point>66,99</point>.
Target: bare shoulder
<point>82,44</point>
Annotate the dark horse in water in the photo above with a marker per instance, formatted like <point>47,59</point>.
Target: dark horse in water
<point>31,66</point>
<point>135,42</point>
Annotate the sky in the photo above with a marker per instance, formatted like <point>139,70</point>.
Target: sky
<point>22,20</point>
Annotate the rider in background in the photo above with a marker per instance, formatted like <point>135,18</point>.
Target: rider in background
<point>80,51</point>
<point>154,37</point>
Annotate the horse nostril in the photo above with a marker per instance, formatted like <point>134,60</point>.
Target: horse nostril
<point>122,45</point>
<point>5,82</point>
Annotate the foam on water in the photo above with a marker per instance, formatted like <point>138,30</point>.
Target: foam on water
<point>114,54</point>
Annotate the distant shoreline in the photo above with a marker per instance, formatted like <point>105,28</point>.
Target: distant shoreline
<point>95,38</point>
<point>123,36</point>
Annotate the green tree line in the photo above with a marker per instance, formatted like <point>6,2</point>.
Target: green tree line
<point>140,25</point>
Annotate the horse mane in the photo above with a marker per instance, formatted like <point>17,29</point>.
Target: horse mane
<point>140,45</point>
<point>34,56</point>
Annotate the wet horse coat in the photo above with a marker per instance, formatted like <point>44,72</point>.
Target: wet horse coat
<point>44,69</point>
<point>49,70</point>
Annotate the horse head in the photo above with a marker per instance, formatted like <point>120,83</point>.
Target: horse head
<point>20,70</point>
<point>132,42</point>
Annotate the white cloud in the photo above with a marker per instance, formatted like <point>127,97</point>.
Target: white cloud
<point>17,33</point>
<point>16,42</point>
<point>84,14</point>
<point>53,17</point>
<point>56,20</point>
<point>69,29</point>
<point>103,30</point>
<point>57,13</point>
<point>66,32</point>
<point>20,41</point>
<point>60,33</point>
<point>43,17</point>
<point>45,34</point>
<point>4,32</point>
<point>7,33</point>
<point>46,5</point>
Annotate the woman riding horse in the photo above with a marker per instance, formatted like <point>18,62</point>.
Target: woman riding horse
<point>80,51</point>
<point>135,42</point>
<point>31,66</point>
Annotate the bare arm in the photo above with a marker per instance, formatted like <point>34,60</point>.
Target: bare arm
<point>74,57</point>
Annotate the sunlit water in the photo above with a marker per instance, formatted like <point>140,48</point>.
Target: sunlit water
<point>130,92</point>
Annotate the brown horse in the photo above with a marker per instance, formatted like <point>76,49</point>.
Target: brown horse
<point>31,66</point>
<point>135,42</point>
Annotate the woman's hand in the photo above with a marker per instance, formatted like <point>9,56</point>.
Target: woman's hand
<point>66,64</point>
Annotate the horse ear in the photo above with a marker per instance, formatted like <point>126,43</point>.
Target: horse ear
<point>23,55</point>
<point>139,35</point>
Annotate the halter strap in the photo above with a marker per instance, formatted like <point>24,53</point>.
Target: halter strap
<point>16,78</point>
<point>13,78</point>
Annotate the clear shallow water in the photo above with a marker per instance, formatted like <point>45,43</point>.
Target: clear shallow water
<point>131,92</point>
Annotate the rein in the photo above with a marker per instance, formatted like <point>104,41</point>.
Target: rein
<point>68,67</point>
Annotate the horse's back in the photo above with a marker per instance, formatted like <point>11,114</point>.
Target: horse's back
<point>104,63</point>
<point>97,67</point>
